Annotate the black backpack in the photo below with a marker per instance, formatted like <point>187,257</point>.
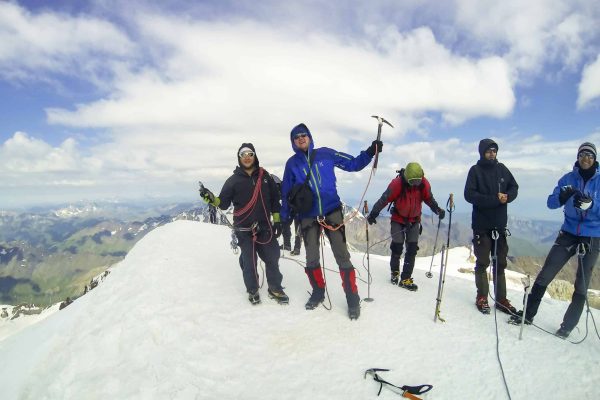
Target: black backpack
<point>300,197</point>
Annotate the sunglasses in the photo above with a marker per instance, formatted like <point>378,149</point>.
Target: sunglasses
<point>415,181</point>
<point>300,135</point>
<point>246,154</point>
<point>586,154</point>
<point>492,150</point>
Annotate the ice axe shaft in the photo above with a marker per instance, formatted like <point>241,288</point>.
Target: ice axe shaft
<point>380,121</point>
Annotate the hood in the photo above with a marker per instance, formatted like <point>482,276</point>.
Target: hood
<point>251,147</point>
<point>484,145</point>
<point>301,128</point>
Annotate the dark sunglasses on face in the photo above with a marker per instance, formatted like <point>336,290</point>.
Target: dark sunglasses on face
<point>586,154</point>
<point>491,151</point>
<point>246,154</point>
<point>300,135</point>
<point>414,181</point>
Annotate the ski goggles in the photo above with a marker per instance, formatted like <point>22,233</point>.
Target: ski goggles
<point>246,154</point>
<point>415,181</point>
<point>300,135</point>
<point>586,154</point>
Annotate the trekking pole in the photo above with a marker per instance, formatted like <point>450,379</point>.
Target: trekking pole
<point>527,283</point>
<point>365,212</point>
<point>443,267</point>
<point>380,121</point>
<point>438,299</point>
<point>429,274</point>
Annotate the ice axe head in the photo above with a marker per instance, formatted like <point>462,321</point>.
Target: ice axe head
<point>381,120</point>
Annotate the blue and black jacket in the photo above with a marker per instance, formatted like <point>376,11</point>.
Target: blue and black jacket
<point>322,180</point>
<point>579,222</point>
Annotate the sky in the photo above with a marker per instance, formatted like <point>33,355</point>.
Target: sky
<point>110,100</point>
<point>172,321</point>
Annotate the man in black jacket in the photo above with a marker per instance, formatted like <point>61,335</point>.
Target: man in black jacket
<point>255,197</point>
<point>490,187</point>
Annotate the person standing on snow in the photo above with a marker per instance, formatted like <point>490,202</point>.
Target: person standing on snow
<point>407,191</point>
<point>579,193</point>
<point>255,198</point>
<point>490,187</point>
<point>313,169</point>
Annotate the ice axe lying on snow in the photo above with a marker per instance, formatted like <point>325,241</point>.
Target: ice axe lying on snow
<point>408,392</point>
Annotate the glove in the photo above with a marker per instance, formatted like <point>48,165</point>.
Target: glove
<point>277,229</point>
<point>441,213</point>
<point>565,193</point>
<point>376,145</point>
<point>371,218</point>
<point>583,202</point>
<point>276,225</point>
<point>209,198</point>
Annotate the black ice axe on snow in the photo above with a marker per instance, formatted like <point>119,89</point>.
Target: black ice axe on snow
<point>380,121</point>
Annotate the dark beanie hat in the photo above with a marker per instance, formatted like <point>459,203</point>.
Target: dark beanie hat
<point>246,147</point>
<point>587,146</point>
<point>485,145</point>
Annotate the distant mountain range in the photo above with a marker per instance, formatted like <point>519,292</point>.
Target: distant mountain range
<point>49,254</point>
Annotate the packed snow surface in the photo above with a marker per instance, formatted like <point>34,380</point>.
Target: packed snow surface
<point>172,321</point>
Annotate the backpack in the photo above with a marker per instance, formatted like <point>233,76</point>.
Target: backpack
<point>300,197</point>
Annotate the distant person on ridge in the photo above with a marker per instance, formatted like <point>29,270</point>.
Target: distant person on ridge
<point>286,230</point>
<point>407,192</point>
<point>490,187</point>
<point>212,212</point>
<point>255,198</point>
<point>309,193</point>
<point>579,192</point>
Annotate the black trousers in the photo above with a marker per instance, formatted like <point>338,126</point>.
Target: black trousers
<point>566,246</point>
<point>268,252</point>
<point>485,247</point>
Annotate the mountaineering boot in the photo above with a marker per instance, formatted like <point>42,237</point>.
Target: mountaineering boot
<point>482,304</point>
<point>353,312</point>
<point>285,247</point>
<point>563,333</point>
<point>517,317</point>
<point>316,298</point>
<point>317,282</point>
<point>353,300</point>
<point>295,252</point>
<point>279,296</point>
<point>254,297</point>
<point>505,307</point>
<point>394,278</point>
<point>408,284</point>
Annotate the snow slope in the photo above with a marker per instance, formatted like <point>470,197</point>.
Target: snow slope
<point>172,322</point>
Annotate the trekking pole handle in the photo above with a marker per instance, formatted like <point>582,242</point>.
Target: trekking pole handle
<point>365,208</point>
<point>450,203</point>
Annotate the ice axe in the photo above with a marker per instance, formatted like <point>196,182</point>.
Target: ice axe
<point>380,121</point>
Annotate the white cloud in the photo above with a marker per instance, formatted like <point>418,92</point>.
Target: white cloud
<point>531,35</point>
<point>589,86</point>
<point>222,76</point>
<point>33,45</point>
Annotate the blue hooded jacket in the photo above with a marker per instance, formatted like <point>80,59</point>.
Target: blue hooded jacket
<point>578,222</point>
<point>322,180</point>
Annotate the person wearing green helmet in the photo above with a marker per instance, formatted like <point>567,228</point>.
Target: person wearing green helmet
<point>407,192</point>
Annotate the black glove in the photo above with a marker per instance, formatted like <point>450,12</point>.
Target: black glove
<point>371,218</point>
<point>565,193</point>
<point>376,145</point>
<point>277,229</point>
<point>441,213</point>
<point>582,201</point>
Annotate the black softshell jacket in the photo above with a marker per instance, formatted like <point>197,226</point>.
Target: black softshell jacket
<point>238,189</point>
<point>485,180</point>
